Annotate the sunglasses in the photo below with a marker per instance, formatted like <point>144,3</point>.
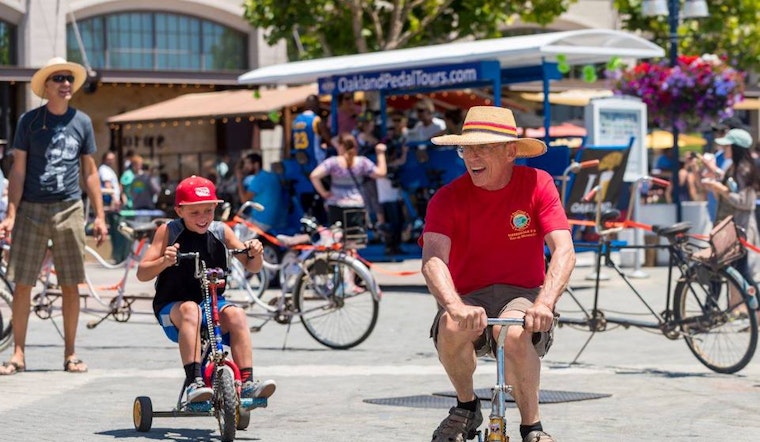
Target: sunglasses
<point>482,149</point>
<point>60,78</point>
<point>422,109</point>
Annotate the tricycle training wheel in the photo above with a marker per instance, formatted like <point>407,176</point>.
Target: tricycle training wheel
<point>243,418</point>
<point>142,413</point>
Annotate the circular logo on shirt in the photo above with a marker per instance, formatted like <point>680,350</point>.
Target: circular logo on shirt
<point>520,220</point>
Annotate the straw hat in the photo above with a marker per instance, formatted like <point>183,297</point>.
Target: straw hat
<point>54,65</point>
<point>490,124</point>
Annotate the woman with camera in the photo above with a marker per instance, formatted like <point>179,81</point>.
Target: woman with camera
<point>389,191</point>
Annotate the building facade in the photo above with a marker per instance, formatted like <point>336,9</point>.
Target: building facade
<point>139,52</point>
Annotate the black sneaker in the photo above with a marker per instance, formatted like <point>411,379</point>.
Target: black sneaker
<point>460,425</point>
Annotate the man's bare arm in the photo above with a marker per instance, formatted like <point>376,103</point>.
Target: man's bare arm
<point>435,259</point>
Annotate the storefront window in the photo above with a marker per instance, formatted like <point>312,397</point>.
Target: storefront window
<point>7,47</point>
<point>157,41</point>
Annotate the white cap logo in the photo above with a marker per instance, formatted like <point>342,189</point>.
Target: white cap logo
<point>202,192</point>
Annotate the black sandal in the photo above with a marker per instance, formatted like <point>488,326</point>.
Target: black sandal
<point>11,368</point>
<point>67,366</point>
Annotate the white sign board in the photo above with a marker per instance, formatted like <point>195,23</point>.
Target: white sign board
<point>612,121</point>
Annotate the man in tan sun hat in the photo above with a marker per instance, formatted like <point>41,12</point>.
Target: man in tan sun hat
<point>483,257</point>
<point>52,144</point>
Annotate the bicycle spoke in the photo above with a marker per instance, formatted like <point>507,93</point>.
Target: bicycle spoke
<point>334,305</point>
<point>6,300</point>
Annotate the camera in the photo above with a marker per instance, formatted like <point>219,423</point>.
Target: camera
<point>394,175</point>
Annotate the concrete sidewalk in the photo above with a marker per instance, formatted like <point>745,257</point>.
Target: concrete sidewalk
<point>658,390</point>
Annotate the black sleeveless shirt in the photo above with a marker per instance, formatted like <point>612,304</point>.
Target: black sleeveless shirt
<point>178,283</point>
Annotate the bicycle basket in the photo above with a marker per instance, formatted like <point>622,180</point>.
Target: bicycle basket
<point>355,228</point>
<point>725,246</point>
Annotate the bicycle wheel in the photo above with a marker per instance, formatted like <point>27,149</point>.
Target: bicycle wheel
<point>243,286</point>
<point>102,261</point>
<point>6,313</point>
<point>225,403</point>
<point>334,301</point>
<point>716,321</point>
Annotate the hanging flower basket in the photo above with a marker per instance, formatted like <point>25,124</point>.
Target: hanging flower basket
<point>698,91</point>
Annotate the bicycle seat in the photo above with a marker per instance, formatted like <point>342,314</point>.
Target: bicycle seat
<point>137,231</point>
<point>290,241</point>
<point>610,215</point>
<point>673,230</point>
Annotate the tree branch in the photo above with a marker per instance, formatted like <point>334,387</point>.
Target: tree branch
<point>406,36</point>
<point>356,25</point>
<point>376,23</point>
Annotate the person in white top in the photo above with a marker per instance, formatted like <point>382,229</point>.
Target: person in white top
<point>111,190</point>
<point>428,125</point>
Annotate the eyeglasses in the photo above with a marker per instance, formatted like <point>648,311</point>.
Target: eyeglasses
<point>60,78</point>
<point>480,149</point>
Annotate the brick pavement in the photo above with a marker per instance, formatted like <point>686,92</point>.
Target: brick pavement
<point>658,389</point>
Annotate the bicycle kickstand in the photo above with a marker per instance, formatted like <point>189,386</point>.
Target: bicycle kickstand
<point>583,348</point>
<point>96,322</point>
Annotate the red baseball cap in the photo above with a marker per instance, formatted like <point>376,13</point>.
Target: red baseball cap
<point>195,190</point>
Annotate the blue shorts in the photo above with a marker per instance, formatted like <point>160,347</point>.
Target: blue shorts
<point>171,331</point>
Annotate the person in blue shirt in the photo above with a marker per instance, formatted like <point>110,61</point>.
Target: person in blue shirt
<point>310,134</point>
<point>263,187</point>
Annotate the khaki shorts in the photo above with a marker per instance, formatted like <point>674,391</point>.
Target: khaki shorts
<point>497,299</point>
<point>36,224</point>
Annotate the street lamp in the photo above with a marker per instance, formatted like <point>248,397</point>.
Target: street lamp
<point>691,9</point>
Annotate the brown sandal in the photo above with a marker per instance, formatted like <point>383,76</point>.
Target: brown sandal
<point>10,367</point>
<point>74,365</point>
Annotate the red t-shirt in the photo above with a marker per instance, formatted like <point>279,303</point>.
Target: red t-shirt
<point>497,237</point>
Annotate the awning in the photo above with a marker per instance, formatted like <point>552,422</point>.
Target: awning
<point>748,104</point>
<point>573,97</point>
<point>662,139</point>
<point>218,104</point>
<point>556,131</point>
<point>578,47</point>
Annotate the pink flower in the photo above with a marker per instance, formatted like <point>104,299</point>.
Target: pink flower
<point>697,91</point>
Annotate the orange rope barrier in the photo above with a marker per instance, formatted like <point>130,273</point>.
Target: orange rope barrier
<point>648,227</point>
<point>750,246</point>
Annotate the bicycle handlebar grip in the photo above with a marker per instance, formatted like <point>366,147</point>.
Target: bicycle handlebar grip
<point>590,195</point>
<point>188,255</point>
<point>659,181</point>
<point>238,251</point>
<point>589,163</point>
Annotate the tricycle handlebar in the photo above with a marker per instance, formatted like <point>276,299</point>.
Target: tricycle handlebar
<point>506,321</point>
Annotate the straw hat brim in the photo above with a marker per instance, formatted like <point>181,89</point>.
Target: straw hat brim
<point>526,147</point>
<point>39,77</point>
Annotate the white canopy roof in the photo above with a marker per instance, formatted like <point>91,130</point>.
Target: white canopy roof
<point>579,47</point>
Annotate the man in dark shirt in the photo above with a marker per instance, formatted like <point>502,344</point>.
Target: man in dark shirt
<point>53,143</point>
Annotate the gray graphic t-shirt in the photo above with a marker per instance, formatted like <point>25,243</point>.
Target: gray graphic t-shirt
<point>54,145</point>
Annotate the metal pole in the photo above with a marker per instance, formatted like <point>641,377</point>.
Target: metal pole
<point>673,6</point>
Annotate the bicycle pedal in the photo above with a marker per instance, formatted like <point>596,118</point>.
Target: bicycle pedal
<point>251,403</point>
<point>199,407</point>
